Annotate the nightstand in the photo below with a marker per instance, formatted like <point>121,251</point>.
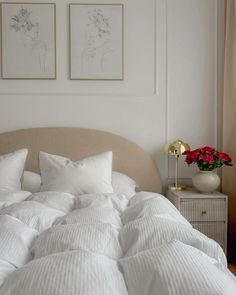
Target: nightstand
<point>206,212</point>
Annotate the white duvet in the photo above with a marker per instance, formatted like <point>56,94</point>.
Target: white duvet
<point>99,244</point>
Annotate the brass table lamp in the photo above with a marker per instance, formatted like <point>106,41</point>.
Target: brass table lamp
<point>176,148</point>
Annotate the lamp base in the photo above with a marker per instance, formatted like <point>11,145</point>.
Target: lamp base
<point>179,187</point>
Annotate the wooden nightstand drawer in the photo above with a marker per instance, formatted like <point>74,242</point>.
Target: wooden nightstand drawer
<point>203,209</point>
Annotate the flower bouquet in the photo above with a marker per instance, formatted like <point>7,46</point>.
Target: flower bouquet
<point>207,159</point>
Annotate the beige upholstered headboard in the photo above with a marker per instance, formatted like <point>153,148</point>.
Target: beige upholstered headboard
<point>77,143</point>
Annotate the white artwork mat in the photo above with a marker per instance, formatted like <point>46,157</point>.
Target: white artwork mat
<point>28,41</point>
<point>96,36</point>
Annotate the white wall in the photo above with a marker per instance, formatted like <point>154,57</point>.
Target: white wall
<point>169,91</point>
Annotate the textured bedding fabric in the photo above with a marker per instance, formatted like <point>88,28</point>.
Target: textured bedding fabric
<point>98,244</point>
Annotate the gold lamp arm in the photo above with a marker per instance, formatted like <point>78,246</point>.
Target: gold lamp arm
<point>176,148</point>
<point>176,170</point>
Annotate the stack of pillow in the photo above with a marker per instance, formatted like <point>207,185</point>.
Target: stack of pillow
<point>90,175</point>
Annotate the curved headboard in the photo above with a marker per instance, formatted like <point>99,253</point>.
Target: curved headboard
<point>78,143</point>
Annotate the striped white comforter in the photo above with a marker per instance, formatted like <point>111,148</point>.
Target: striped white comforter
<point>99,244</point>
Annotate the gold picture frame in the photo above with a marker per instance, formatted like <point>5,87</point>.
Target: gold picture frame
<point>28,41</point>
<point>96,41</point>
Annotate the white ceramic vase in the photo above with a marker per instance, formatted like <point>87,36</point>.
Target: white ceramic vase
<point>206,181</point>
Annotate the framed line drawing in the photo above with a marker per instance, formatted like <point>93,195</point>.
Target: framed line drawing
<point>28,40</point>
<point>96,41</point>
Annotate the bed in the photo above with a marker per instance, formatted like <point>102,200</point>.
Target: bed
<point>97,224</point>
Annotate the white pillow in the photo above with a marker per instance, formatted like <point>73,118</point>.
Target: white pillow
<point>123,184</point>
<point>11,169</point>
<point>31,182</point>
<point>90,175</point>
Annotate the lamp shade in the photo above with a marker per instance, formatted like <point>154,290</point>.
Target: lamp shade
<point>176,148</point>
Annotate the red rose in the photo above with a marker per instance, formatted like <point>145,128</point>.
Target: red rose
<point>224,157</point>
<point>188,159</point>
<point>206,149</point>
<point>186,153</point>
<point>195,154</point>
<point>207,158</point>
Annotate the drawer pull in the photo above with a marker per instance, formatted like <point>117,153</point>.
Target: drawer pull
<point>204,212</point>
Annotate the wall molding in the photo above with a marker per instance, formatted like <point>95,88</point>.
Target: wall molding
<point>81,95</point>
<point>220,68</point>
<point>217,89</point>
